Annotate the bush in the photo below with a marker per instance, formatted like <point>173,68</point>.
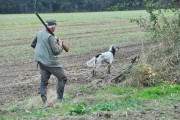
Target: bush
<point>144,75</point>
<point>163,29</point>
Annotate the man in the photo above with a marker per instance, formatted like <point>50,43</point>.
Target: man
<point>47,48</point>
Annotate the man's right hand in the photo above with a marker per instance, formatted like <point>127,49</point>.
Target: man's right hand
<point>60,42</point>
<point>65,47</point>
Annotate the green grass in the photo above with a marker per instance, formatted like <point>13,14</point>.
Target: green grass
<point>83,32</point>
<point>164,91</point>
<point>118,90</point>
<point>69,17</point>
<point>126,98</point>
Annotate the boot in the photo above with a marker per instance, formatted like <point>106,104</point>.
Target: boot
<point>44,99</point>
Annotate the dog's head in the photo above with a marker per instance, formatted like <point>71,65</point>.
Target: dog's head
<point>116,48</point>
<point>113,49</point>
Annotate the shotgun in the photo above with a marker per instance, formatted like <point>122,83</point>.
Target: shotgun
<point>65,47</point>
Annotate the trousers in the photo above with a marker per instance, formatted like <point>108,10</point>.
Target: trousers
<point>46,72</point>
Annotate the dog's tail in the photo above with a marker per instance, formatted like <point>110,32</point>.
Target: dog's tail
<point>91,63</point>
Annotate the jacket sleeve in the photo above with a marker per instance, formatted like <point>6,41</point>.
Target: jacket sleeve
<point>56,49</point>
<point>34,42</point>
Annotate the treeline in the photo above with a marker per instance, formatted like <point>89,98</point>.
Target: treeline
<point>27,6</point>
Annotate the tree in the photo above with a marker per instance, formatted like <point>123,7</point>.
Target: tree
<point>26,6</point>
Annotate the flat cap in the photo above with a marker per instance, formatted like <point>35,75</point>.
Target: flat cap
<point>51,22</point>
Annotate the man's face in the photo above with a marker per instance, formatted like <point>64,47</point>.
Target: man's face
<point>54,28</point>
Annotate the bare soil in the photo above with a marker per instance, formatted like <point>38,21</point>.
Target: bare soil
<point>20,80</point>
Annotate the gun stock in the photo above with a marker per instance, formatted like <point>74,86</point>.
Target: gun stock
<point>65,47</point>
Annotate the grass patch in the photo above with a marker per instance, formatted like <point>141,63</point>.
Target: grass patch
<point>118,90</point>
<point>82,108</point>
<point>126,98</point>
<point>164,91</point>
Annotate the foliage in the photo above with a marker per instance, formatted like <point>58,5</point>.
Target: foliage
<point>164,29</point>
<point>118,7</point>
<point>128,5</point>
<point>27,6</point>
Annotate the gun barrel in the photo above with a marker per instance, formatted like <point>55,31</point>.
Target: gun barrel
<point>65,47</point>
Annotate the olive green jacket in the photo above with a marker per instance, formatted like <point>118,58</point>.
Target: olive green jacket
<point>46,49</point>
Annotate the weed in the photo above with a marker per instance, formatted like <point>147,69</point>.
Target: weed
<point>78,109</point>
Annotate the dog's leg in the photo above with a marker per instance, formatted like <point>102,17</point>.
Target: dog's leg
<point>109,68</point>
<point>96,68</point>
<point>93,73</point>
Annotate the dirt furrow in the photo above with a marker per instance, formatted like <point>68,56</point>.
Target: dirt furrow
<point>21,80</point>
